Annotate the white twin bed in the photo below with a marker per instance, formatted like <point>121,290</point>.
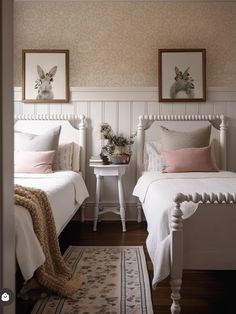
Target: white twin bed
<point>66,190</point>
<point>182,234</point>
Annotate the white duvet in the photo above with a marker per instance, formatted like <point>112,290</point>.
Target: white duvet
<point>156,192</point>
<point>66,192</point>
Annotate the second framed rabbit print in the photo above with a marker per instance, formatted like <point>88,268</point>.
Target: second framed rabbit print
<point>182,75</point>
<point>45,76</point>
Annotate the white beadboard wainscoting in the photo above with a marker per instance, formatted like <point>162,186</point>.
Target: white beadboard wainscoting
<point>121,107</point>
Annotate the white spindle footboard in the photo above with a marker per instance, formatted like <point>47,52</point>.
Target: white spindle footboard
<point>177,238</point>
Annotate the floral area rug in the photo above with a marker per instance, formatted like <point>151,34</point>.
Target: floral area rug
<point>116,282</point>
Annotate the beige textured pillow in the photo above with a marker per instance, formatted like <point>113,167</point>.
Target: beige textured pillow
<point>64,157</point>
<point>68,157</point>
<point>172,140</point>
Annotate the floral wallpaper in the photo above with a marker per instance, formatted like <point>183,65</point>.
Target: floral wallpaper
<point>116,43</point>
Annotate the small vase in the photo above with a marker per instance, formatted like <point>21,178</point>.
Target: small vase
<point>120,159</point>
<point>120,150</point>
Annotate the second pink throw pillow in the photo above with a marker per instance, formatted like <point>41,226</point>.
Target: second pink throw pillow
<point>188,160</point>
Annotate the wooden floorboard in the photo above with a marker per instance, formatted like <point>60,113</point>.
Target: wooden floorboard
<point>203,292</point>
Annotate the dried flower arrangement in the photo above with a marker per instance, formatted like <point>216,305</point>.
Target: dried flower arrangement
<point>117,144</point>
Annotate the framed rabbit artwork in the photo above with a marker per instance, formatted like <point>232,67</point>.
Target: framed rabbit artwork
<point>182,75</point>
<point>45,76</point>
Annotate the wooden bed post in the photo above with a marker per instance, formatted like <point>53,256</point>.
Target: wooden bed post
<point>176,254</point>
<point>140,147</point>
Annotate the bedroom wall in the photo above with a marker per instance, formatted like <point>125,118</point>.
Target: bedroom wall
<point>113,62</point>
<point>115,43</point>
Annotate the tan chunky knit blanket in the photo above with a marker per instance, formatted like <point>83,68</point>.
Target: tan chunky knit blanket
<point>54,275</point>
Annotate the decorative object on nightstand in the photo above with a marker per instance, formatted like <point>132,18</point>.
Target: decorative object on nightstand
<point>105,160</point>
<point>118,159</point>
<point>102,171</point>
<point>95,160</point>
<point>118,148</point>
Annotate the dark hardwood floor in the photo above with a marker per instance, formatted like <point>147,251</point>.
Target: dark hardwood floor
<point>203,292</point>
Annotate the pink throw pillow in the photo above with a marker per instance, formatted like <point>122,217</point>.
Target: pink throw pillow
<point>188,160</point>
<point>34,162</point>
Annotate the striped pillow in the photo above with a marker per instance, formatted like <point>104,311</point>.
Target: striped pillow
<point>153,160</point>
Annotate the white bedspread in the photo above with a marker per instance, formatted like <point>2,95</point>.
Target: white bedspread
<point>66,191</point>
<point>156,192</point>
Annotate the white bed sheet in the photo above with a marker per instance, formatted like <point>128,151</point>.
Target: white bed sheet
<point>156,192</point>
<point>66,192</point>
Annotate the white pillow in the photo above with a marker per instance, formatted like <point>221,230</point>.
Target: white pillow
<point>152,157</point>
<point>33,142</point>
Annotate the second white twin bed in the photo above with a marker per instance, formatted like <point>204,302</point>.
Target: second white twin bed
<point>157,192</point>
<point>190,214</point>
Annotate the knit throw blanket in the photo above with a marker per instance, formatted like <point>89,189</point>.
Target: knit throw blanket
<point>54,275</point>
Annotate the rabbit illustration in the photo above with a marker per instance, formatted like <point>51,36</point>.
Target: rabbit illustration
<point>183,82</point>
<point>43,83</point>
